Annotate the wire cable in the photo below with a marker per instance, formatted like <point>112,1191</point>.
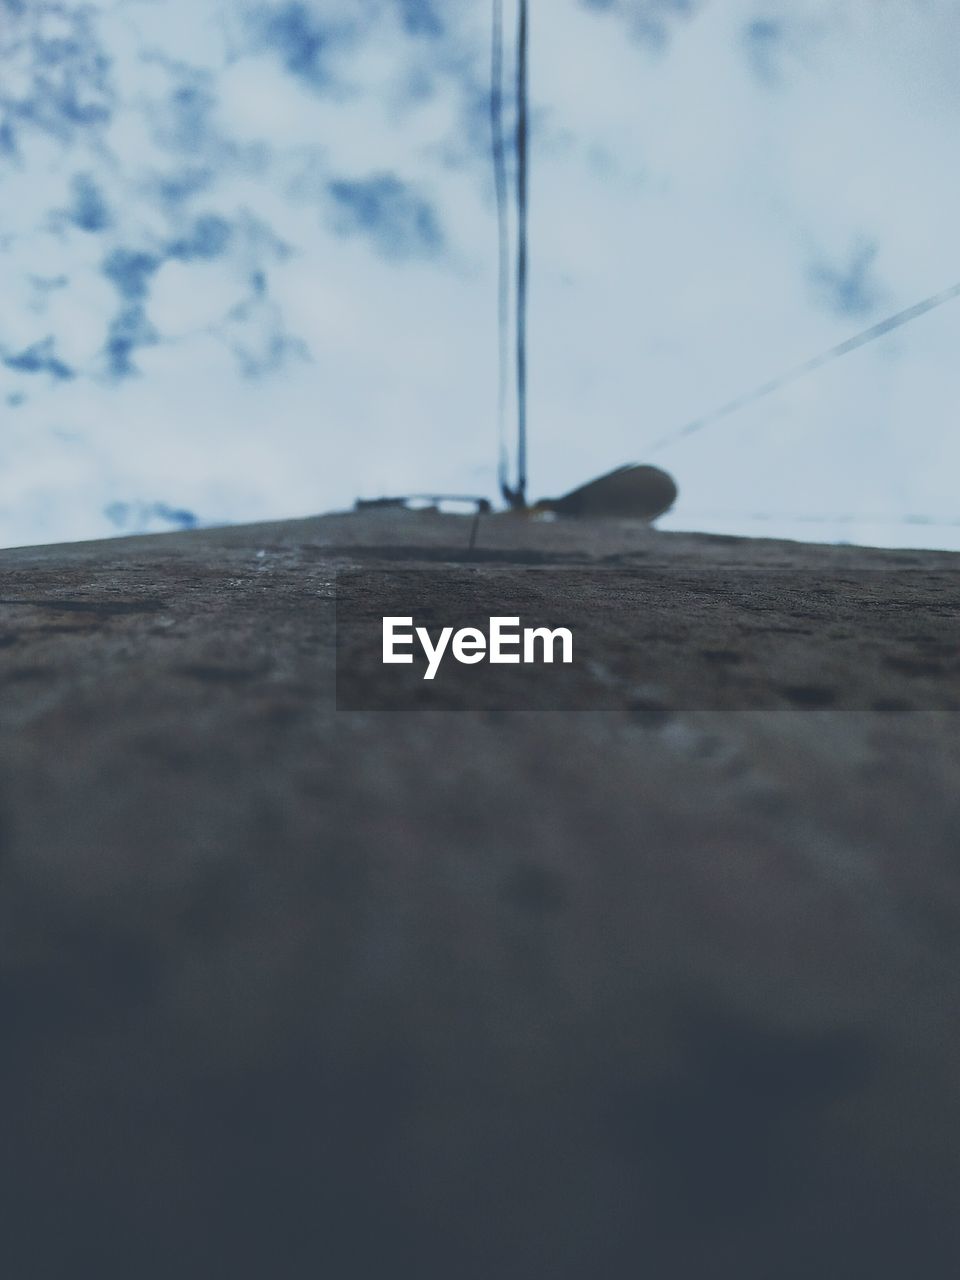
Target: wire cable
<point>792,517</point>
<point>522,221</point>
<point>809,366</point>
<point>503,239</point>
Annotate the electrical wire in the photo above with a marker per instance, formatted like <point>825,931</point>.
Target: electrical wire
<point>522,232</point>
<point>503,239</point>
<point>897,521</point>
<point>809,366</point>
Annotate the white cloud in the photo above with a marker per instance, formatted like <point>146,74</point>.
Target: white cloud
<point>683,201</point>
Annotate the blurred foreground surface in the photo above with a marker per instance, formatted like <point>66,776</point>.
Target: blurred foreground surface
<point>500,996</point>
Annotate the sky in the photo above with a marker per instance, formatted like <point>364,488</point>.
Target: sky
<point>248,259</point>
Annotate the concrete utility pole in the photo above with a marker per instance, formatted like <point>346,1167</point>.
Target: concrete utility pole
<point>644,992</point>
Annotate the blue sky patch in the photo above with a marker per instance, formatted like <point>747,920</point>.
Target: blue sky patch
<point>40,358</point>
<point>649,20</point>
<point>398,221</point>
<point>64,79</point>
<point>134,517</point>
<point>181,186</point>
<point>421,17</point>
<point>763,40</point>
<point>190,107</point>
<point>129,270</point>
<point>49,284</point>
<point>128,331</point>
<point>299,38</point>
<point>208,238</point>
<point>89,210</point>
<point>848,290</point>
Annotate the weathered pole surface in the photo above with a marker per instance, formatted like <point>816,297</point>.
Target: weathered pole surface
<point>289,993</point>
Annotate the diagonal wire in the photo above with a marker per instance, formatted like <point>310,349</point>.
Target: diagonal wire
<point>788,517</point>
<point>809,366</point>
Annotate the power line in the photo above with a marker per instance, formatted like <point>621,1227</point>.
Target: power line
<point>514,490</point>
<point>809,366</point>
<point>788,517</point>
<point>522,216</point>
<point>503,236</point>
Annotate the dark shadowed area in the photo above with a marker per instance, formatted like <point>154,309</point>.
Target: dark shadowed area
<point>654,992</point>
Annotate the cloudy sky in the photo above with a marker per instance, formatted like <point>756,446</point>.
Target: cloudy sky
<point>247,258</point>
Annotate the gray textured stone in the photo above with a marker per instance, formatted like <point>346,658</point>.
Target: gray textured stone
<point>288,993</point>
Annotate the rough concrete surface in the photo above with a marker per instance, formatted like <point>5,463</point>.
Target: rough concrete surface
<point>289,993</point>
